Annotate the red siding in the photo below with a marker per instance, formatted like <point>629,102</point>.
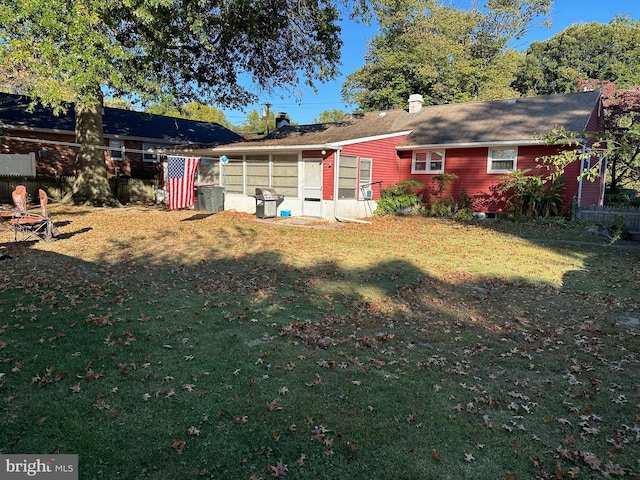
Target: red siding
<point>386,164</point>
<point>470,165</point>
<point>596,120</point>
<point>328,162</point>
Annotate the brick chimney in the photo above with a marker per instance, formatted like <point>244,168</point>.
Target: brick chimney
<point>282,120</point>
<point>415,103</point>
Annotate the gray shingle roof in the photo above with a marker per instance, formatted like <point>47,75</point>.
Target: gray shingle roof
<point>515,120</point>
<point>116,123</point>
<point>501,120</point>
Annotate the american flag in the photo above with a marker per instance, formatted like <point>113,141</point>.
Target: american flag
<point>181,176</point>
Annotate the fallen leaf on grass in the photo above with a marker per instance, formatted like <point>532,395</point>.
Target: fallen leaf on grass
<point>274,406</point>
<point>279,469</point>
<point>435,454</point>
<point>178,444</point>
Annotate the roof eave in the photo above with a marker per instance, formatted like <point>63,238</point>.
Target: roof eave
<point>241,149</point>
<point>492,143</point>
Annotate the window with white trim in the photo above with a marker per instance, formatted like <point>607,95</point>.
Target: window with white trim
<point>233,176</point>
<point>148,156</point>
<point>115,150</point>
<point>348,176</point>
<point>365,177</point>
<point>257,172</point>
<point>284,174</point>
<point>428,161</point>
<point>246,173</point>
<point>502,160</point>
<point>209,171</point>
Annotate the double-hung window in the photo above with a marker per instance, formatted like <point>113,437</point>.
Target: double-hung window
<point>502,160</point>
<point>428,161</point>
<point>148,153</point>
<point>354,174</point>
<point>115,150</point>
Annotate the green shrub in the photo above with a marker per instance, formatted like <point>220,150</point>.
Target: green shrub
<point>400,199</point>
<point>441,203</point>
<point>532,195</point>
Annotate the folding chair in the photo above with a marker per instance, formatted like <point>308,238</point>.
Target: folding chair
<point>19,197</point>
<point>32,225</point>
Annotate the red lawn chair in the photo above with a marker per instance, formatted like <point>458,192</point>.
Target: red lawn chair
<point>30,225</point>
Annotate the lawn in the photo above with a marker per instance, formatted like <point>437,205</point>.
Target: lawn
<point>177,345</point>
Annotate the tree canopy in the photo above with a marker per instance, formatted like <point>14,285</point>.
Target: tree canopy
<point>442,52</point>
<point>607,52</point>
<point>329,116</point>
<point>75,51</point>
<point>191,111</point>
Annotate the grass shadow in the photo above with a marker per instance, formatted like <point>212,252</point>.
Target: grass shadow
<point>338,354</point>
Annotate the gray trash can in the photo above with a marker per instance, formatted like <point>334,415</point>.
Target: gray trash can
<point>209,198</point>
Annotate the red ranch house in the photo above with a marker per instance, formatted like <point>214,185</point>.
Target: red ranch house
<point>337,170</point>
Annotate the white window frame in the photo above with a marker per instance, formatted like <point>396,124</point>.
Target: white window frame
<point>364,182</point>
<point>148,156</point>
<point>491,160</point>
<point>116,150</point>
<point>268,166</point>
<point>428,161</point>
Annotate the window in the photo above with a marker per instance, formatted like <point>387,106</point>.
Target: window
<point>209,171</point>
<point>354,174</point>
<point>348,176</point>
<point>257,173</point>
<point>278,171</point>
<point>365,177</point>
<point>284,174</point>
<point>232,176</point>
<point>428,161</point>
<point>116,149</point>
<point>502,160</point>
<point>150,156</point>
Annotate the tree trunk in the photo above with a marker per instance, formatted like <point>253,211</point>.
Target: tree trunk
<point>92,185</point>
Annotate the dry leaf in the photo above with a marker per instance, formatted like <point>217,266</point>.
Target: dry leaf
<point>178,444</point>
<point>279,469</point>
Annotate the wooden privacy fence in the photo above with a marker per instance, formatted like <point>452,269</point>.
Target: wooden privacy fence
<point>629,216</point>
<point>126,190</point>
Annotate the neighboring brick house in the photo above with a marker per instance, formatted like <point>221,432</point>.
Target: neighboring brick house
<point>337,170</point>
<point>40,143</point>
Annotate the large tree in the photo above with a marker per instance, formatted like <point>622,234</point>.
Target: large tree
<point>64,52</point>
<point>583,51</point>
<point>622,128</point>
<point>445,53</point>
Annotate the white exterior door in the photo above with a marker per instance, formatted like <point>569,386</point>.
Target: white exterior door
<point>312,188</point>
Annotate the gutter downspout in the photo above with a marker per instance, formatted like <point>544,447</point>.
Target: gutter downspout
<point>335,192</point>
<point>605,161</point>
<point>581,177</point>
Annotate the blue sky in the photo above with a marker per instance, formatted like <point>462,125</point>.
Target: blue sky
<point>304,105</point>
